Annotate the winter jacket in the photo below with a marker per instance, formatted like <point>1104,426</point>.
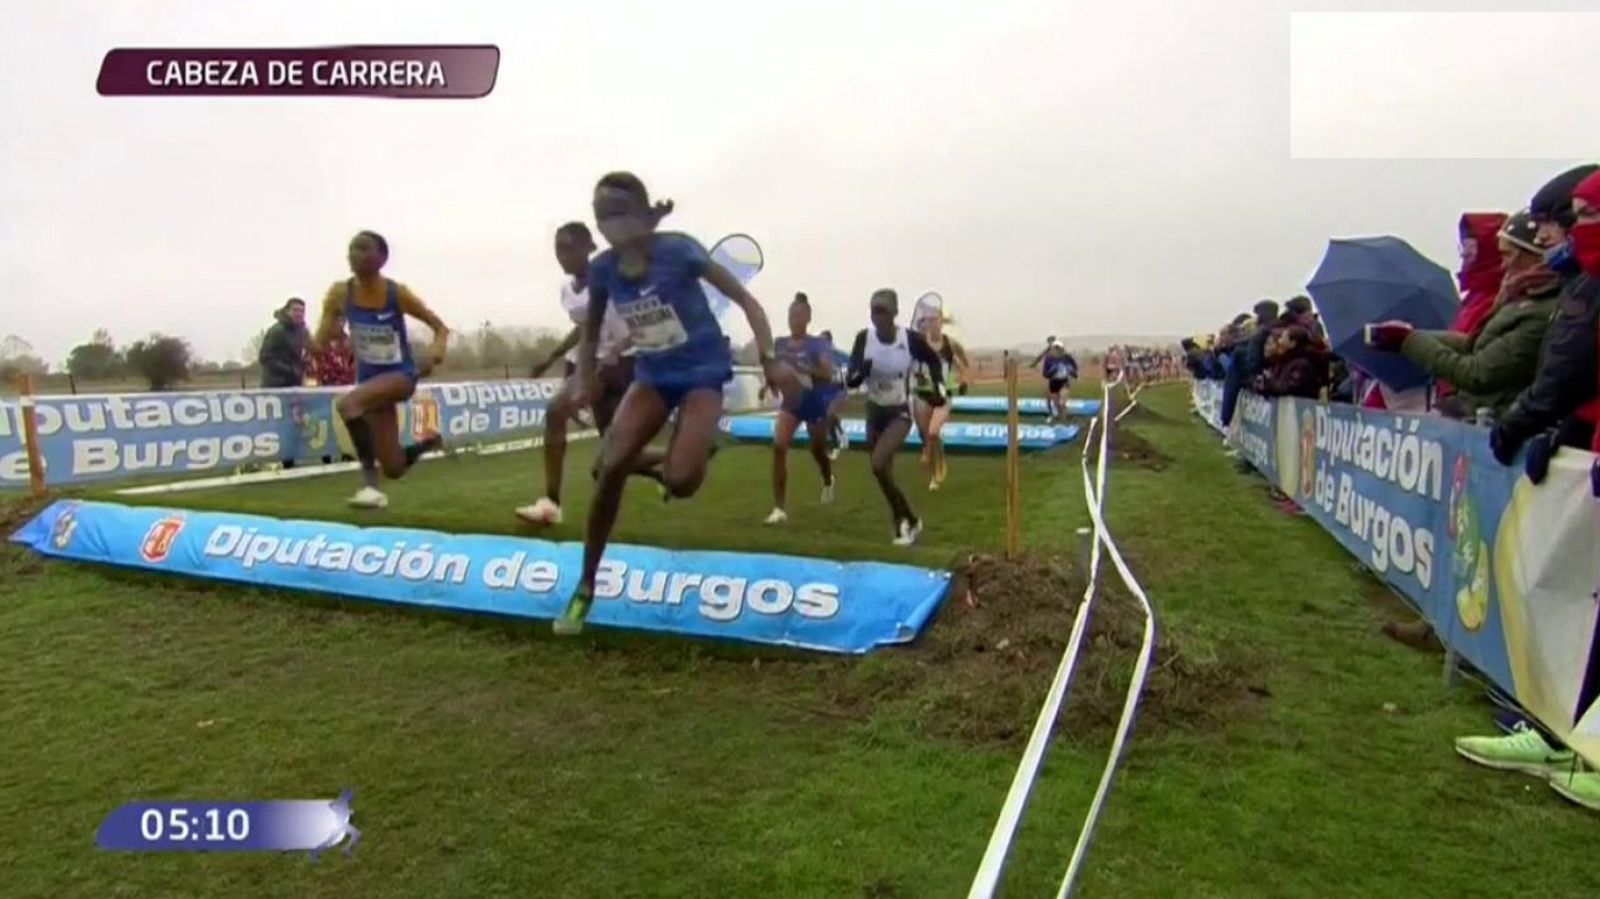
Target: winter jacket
<point>1490,368</point>
<point>283,353</point>
<point>1569,360</point>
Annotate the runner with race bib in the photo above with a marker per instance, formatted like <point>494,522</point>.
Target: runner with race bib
<point>883,358</point>
<point>810,358</point>
<point>375,308</point>
<point>682,358</point>
<point>574,246</point>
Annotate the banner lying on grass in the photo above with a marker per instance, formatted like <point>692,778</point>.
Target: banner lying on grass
<point>779,600</point>
<point>117,436</point>
<point>959,435</point>
<point>1504,570</point>
<point>1030,405</point>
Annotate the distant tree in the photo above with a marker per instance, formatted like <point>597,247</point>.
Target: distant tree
<point>252,348</point>
<point>96,360</point>
<point>494,348</point>
<point>163,361</point>
<point>17,358</point>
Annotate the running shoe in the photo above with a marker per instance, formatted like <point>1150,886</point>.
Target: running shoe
<point>827,490</point>
<point>778,516</point>
<point>545,511</point>
<point>1525,751</point>
<point>369,498</point>
<point>571,621</point>
<point>1578,785</point>
<point>908,532</point>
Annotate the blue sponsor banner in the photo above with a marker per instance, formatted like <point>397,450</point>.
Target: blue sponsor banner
<point>89,438</point>
<point>777,600</point>
<point>1031,405</point>
<point>1503,569</point>
<point>956,434</point>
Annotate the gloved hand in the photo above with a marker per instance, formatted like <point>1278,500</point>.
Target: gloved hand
<point>1388,336</point>
<point>1503,445</point>
<point>938,399</point>
<point>1540,449</point>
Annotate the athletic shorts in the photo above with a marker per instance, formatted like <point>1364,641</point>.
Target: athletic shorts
<point>673,384</point>
<point>1059,384</point>
<point>812,408</point>
<point>409,369</point>
<point>880,417</point>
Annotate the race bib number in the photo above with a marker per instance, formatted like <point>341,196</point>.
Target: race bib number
<point>886,390</point>
<point>375,344</point>
<point>654,326</point>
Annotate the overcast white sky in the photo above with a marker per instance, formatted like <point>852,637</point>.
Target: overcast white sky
<point>1051,166</point>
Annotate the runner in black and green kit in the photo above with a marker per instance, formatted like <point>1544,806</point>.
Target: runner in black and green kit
<point>930,416</point>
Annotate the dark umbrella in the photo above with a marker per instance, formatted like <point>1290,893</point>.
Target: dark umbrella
<point>1375,279</point>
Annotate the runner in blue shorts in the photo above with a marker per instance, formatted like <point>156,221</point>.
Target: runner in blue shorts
<point>376,307</point>
<point>809,357</point>
<point>682,359</point>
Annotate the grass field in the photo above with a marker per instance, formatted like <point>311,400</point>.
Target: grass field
<point>489,759</point>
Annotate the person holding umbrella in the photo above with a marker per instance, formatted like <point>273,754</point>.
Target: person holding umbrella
<point>1490,365</point>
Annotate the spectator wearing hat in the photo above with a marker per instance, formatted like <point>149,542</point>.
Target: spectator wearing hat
<point>1560,407</point>
<point>1490,365</point>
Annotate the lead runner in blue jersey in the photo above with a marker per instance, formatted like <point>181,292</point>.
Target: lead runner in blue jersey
<point>682,358</point>
<point>810,358</point>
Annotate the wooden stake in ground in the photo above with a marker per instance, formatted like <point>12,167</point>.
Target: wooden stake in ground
<point>1013,468</point>
<point>30,437</point>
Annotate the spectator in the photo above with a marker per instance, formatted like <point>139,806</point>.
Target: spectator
<point>1296,367</point>
<point>1491,365</point>
<point>334,364</point>
<point>1245,368</point>
<point>1560,406</point>
<point>283,348</point>
<point>1482,269</point>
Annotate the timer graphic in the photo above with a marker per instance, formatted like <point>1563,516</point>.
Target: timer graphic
<point>311,825</point>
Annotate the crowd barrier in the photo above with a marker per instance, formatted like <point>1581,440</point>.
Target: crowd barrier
<point>1505,570</point>
<point>117,436</point>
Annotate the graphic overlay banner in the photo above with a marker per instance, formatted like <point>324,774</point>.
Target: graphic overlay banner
<point>1031,405</point>
<point>309,825</point>
<point>957,435</point>
<point>776,600</point>
<point>1504,570</point>
<point>402,71</point>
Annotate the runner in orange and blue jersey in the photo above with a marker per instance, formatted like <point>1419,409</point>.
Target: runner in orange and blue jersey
<point>375,309</point>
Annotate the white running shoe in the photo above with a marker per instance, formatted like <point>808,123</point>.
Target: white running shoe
<point>833,454</point>
<point>778,516</point>
<point>369,498</point>
<point>827,490</point>
<point>908,533</point>
<point>545,511</point>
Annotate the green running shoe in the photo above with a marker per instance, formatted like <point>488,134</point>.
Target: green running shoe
<point>571,621</point>
<point>1523,750</point>
<point>1578,785</point>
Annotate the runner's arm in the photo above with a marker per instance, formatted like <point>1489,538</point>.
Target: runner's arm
<point>760,327</point>
<point>593,321</point>
<point>412,305</point>
<point>858,369</point>
<point>562,348</point>
<point>328,321</point>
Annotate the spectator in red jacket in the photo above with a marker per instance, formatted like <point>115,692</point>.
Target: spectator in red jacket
<point>334,363</point>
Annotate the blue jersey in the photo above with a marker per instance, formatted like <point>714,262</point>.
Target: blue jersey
<point>803,355</point>
<point>674,332</point>
<point>378,336</point>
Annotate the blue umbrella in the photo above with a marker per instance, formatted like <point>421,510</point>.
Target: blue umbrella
<point>1374,279</point>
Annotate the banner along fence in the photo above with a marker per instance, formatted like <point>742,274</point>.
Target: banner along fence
<point>116,436</point>
<point>1505,570</point>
